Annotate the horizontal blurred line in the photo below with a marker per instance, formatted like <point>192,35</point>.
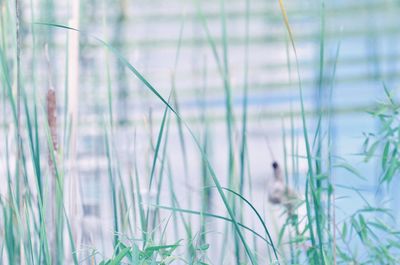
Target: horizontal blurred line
<point>269,86</point>
<point>235,12</point>
<point>252,117</point>
<point>239,41</point>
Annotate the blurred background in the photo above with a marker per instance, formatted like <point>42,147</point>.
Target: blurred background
<point>211,60</point>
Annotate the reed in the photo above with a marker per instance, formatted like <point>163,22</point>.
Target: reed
<point>143,166</point>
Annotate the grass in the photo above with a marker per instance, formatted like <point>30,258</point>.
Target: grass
<point>45,216</point>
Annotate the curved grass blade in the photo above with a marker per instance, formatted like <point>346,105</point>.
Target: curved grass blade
<point>308,149</point>
<point>174,209</point>
<point>124,61</point>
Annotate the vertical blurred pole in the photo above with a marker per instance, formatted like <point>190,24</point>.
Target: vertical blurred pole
<point>19,187</point>
<point>72,196</point>
<point>119,42</point>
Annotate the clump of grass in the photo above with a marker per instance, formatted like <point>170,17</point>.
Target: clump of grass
<point>36,228</point>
